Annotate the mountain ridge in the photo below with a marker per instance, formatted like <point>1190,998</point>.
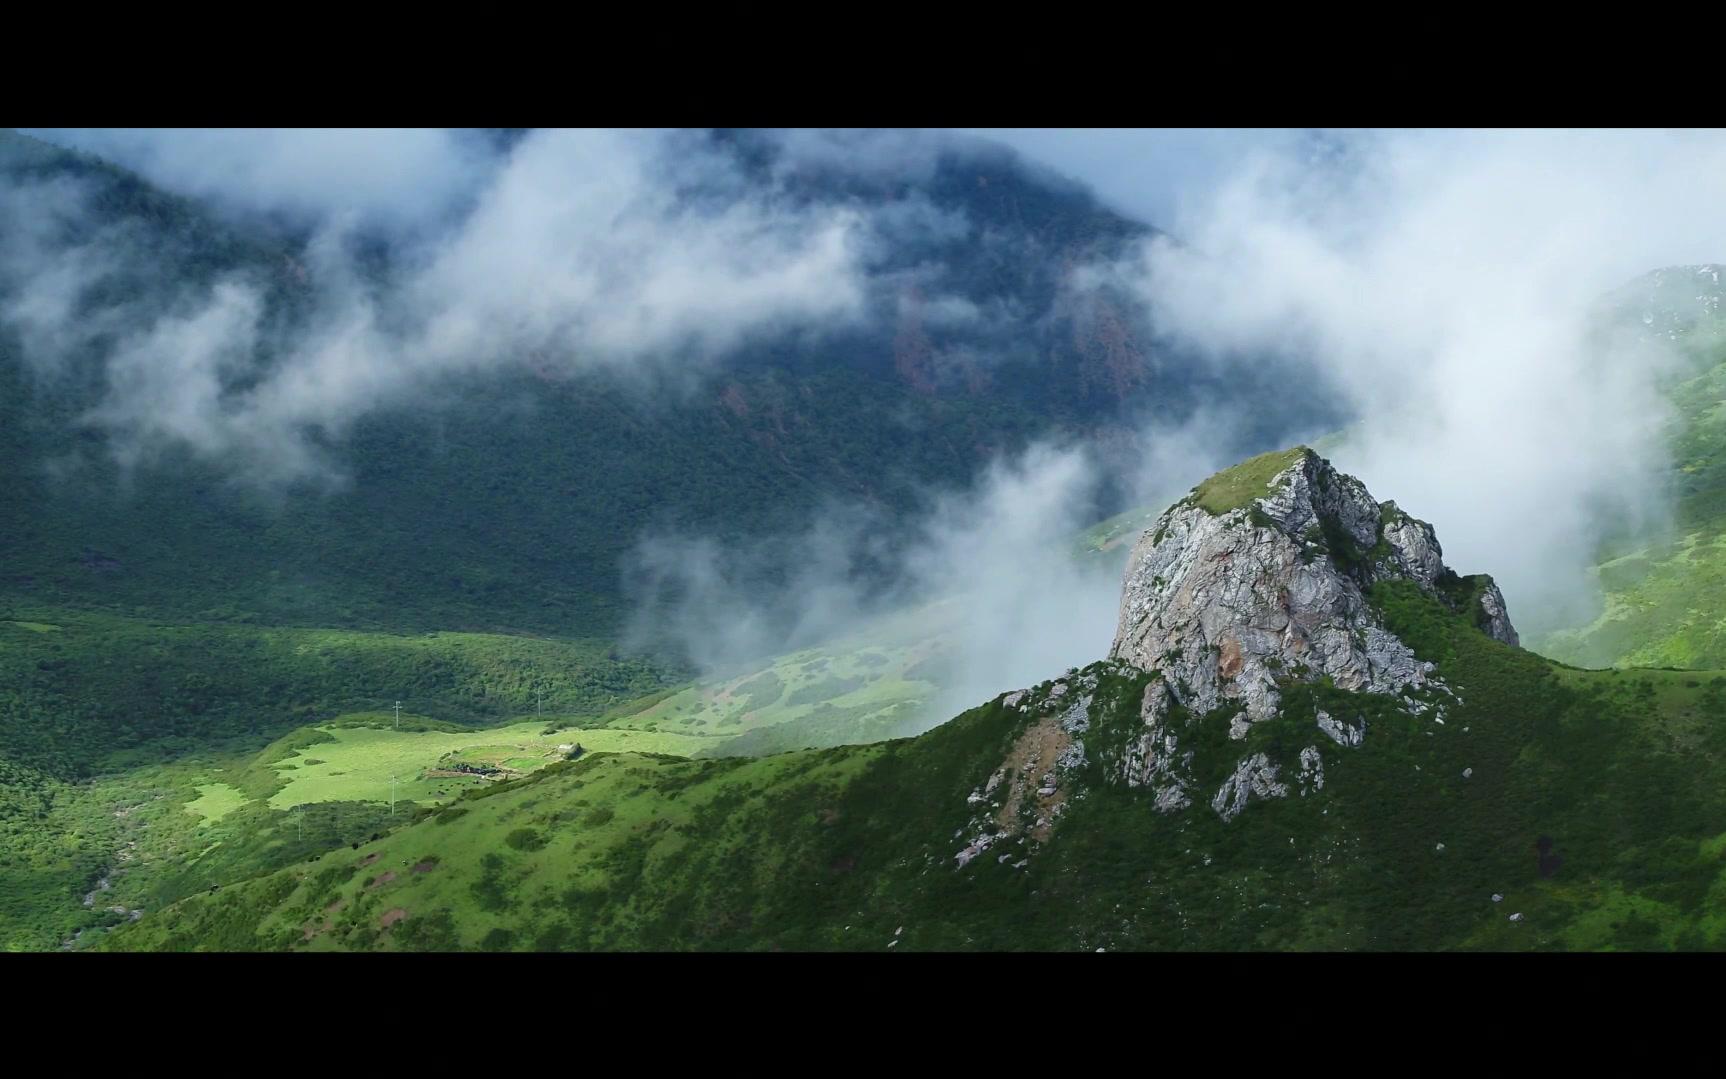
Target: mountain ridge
<point>1492,805</point>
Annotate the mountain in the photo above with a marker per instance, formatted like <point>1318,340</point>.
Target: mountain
<point>167,624</point>
<point>1310,734</point>
<point>1663,592</point>
<point>508,498</point>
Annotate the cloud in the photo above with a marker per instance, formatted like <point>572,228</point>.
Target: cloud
<point>46,275</point>
<point>1440,282</point>
<point>896,154</point>
<point>1149,174</point>
<point>394,178</point>
<point>641,252</point>
<point>584,243</point>
<point>1448,284</point>
<point>989,567</point>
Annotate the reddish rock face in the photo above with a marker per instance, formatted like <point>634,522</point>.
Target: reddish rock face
<point>1229,663</point>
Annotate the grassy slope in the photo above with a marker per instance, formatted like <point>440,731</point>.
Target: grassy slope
<point>369,763</point>
<point>1664,595</point>
<point>1234,487</point>
<point>1666,600</point>
<point>99,692</point>
<point>859,688</point>
<point>159,832</point>
<point>839,848</point>
<point>108,714</point>
<point>110,726</point>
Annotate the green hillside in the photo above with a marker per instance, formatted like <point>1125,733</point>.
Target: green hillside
<point>855,847</point>
<point>112,725</point>
<point>227,749</point>
<point>1665,597</point>
<point>200,670</point>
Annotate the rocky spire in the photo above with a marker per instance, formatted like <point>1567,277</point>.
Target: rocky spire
<point>1258,575</point>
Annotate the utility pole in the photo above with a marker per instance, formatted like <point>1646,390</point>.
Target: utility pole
<point>398,715</point>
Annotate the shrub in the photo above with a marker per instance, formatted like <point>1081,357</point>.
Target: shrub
<point>525,839</point>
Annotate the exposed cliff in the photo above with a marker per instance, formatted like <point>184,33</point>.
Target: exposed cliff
<point>1258,578</point>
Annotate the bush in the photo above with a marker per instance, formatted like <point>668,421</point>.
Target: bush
<point>525,839</point>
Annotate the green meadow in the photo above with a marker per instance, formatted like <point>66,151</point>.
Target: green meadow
<point>1521,793</point>
<point>216,800</point>
<point>367,764</point>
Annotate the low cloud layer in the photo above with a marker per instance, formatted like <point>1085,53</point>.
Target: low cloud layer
<point>581,249</point>
<point>1448,284</point>
<point>1443,283</point>
<point>992,568</point>
<point>395,179</point>
<point>1449,287</point>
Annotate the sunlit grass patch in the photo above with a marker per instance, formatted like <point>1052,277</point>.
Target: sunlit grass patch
<point>216,800</point>
<point>1233,488</point>
<point>364,764</point>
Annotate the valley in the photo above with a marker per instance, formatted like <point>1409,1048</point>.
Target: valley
<point>709,541</point>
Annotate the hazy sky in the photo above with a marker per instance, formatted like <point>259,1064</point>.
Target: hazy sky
<point>408,176</point>
<point>1147,173</point>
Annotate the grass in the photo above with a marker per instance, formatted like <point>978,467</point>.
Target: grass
<point>216,800</point>
<point>1121,529</point>
<point>164,722</point>
<point>359,763</point>
<point>104,693</point>
<point>1233,488</point>
<point>862,687</point>
<point>1620,771</point>
<point>1663,601</point>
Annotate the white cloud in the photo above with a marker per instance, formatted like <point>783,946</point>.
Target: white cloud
<point>392,177</point>
<point>991,567</point>
<point>1447,285</point>
<point>583,249</point>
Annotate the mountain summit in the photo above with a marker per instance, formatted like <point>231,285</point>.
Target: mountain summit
<point>1258,575</point>
<point>1257,578</point>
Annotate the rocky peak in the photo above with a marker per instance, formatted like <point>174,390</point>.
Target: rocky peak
<point>1259,575</point>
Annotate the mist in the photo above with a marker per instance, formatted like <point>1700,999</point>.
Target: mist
<point>1450,286</point>
<point>1446,285</point>
<point>412,260</point>
<point>993,570</point>
<point>990,569</point>
<point>645,254</point>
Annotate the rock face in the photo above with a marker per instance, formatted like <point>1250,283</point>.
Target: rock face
<point>1259,576</point>
<point>1256,580</point>
<point>1341,733</point>
<point>1154,759</point>
<point>1497,621</point>
<point>1255,777</point>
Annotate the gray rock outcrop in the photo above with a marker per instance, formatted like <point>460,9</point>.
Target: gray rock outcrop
<point>1497,621</point>
<point>1341,733</point>
<point>1227,604</point>
<point>1154,759</point>
<point>1254,777</point>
